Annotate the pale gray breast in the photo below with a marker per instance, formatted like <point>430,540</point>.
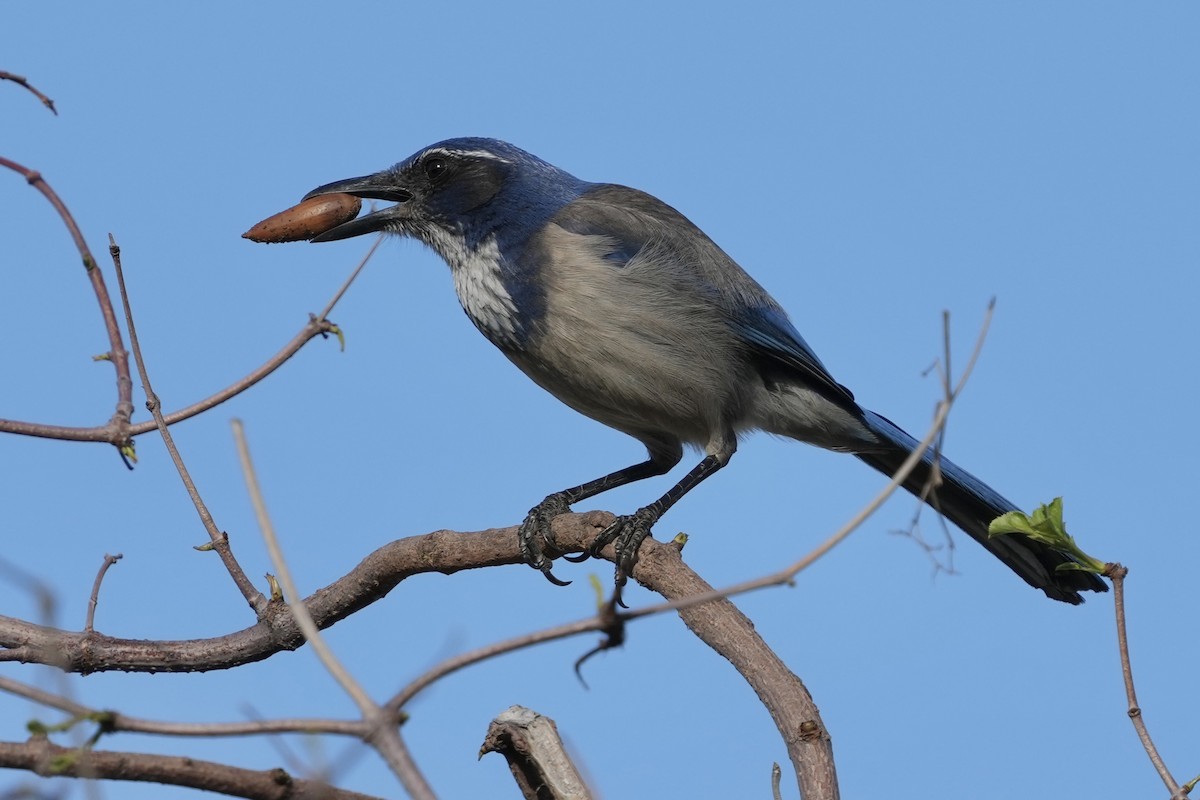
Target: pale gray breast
<point>637,346</point>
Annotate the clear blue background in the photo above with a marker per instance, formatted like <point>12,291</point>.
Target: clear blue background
<point>870,163</point>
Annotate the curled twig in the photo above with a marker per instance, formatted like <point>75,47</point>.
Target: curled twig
<point>21,80</point>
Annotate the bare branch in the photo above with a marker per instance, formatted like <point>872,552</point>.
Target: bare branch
<point>43,757</point>
<point>116,722</point>
<point>1116,573</point>
<point>724,628</point>
<point>116,428</point>
<point>536,756</point>
<point>304,621</point>
<point>22,81</point>
<point>381,571</point>
<point>94,600</point>
<point>478,655</point>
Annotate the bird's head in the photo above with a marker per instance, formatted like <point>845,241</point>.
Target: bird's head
<point>469,188</point>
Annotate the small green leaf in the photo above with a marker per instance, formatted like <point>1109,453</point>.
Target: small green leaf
<point>1046,526</point>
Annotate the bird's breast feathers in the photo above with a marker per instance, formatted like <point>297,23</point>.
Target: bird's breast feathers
<point>479,284</point>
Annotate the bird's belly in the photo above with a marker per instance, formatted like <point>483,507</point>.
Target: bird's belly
<point>634,373</point>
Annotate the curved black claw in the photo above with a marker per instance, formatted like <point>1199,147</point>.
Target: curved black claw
<point>626,534</point>
<point>548,575</point>
<point>534,535</point>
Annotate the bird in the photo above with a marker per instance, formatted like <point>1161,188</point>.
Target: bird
<point>623,309</point>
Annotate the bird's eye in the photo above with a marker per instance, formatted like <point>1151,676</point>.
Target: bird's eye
<point>434,166</point>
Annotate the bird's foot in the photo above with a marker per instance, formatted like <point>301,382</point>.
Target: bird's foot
<point>534,534</point>
<point>626,534</point>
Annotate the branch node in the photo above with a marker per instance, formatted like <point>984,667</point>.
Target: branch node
<point>810,730</point>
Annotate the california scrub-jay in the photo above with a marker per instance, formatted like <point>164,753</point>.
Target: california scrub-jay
<point>620,307</point>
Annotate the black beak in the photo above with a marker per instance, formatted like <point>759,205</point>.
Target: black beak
<point>380,186</point>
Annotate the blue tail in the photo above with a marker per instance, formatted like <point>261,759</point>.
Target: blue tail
<point>971,505</point>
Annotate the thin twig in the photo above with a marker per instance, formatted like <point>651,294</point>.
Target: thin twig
<point>42,757</point>
<point>384,735</point>
<point>116,722</point>
<point>94,600</point>
<point>22,81</point>
<point>116,347</point>
<point>317,325</point>
<point>463,660</point>
<point>106,433</point>
<point>220,542</point>
<point>333,301</point>
<point>294,599</point>
<point>1116,573</point>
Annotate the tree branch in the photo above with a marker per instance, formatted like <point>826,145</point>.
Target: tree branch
<point>44,758</point>
<point>22,81</point>
<point>116,428</point>
<point>1116,573</point>
<point>535,754</point>
<point>380,572</point>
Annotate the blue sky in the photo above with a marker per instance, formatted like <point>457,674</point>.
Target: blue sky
<point>872,164</point>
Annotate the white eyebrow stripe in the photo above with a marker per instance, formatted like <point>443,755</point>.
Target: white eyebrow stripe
<point>470,153</point>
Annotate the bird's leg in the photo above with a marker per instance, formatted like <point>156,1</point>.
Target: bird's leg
<point>534,533</point>
<point>628,532</point>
